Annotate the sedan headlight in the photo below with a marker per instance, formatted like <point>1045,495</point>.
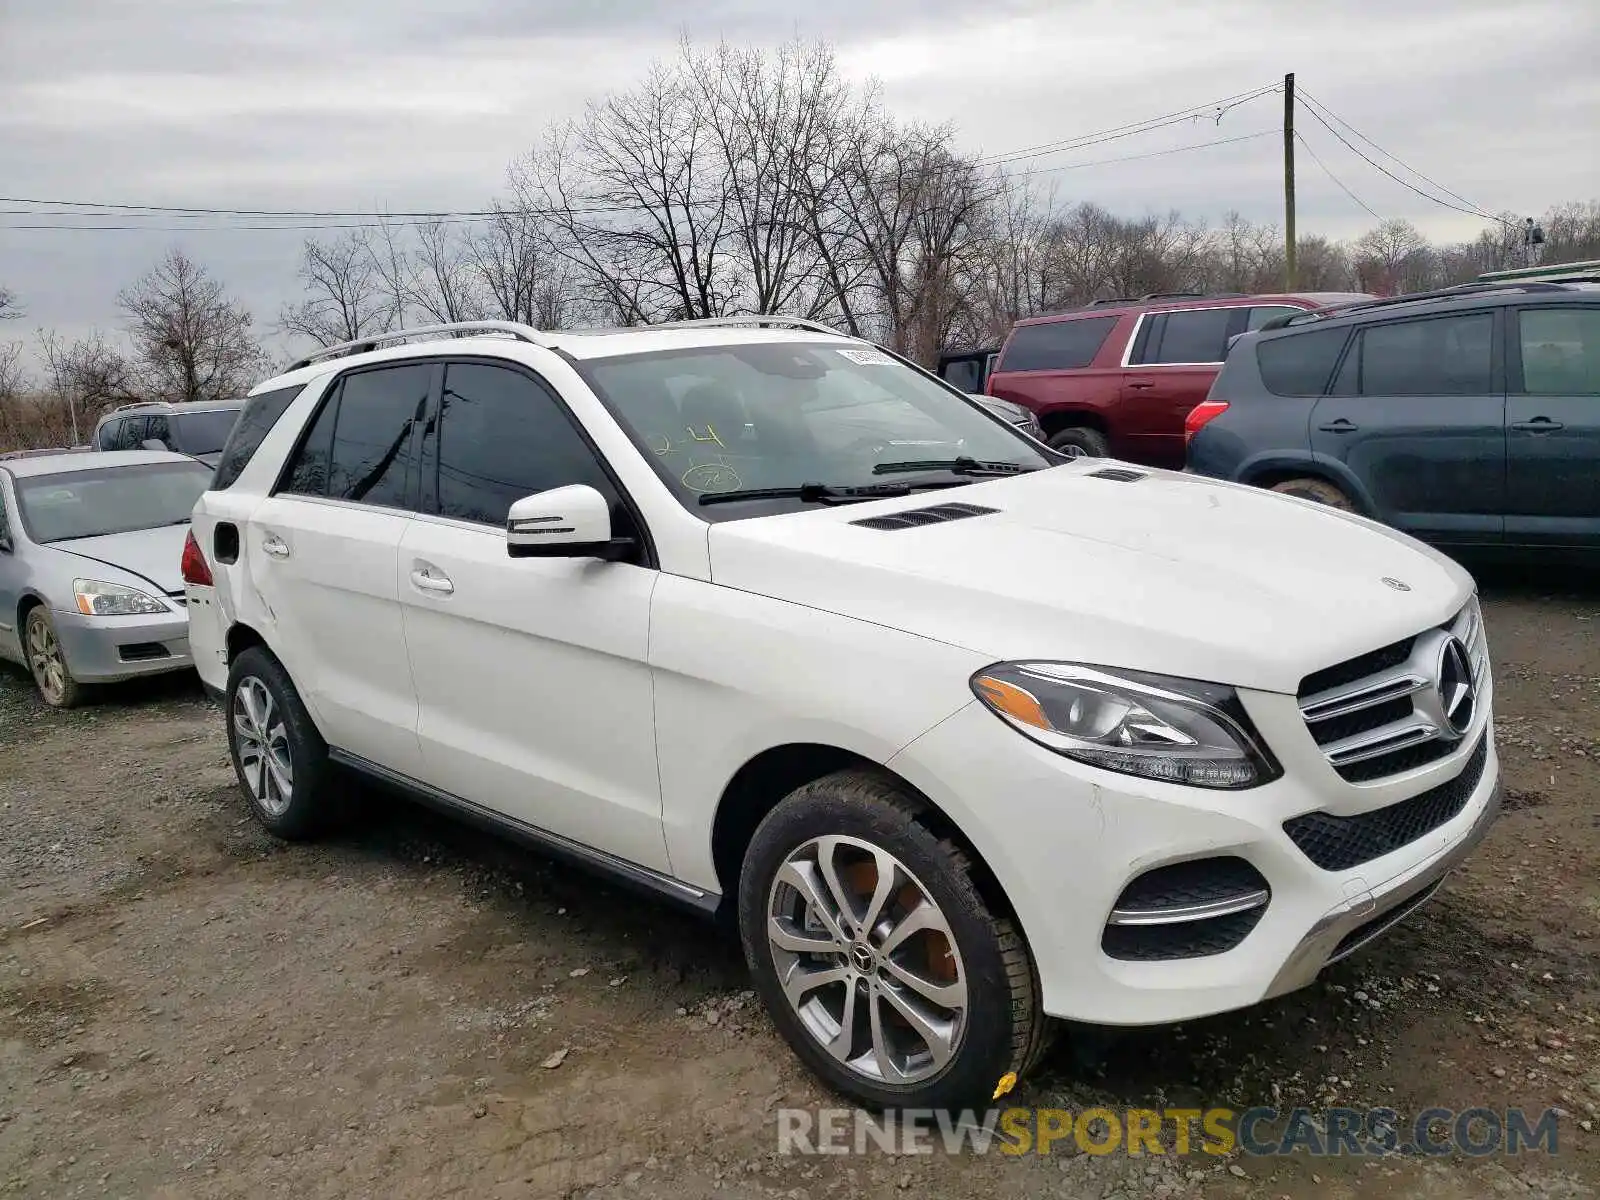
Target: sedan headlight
<point>1174,730</point>
<point>96,599</point>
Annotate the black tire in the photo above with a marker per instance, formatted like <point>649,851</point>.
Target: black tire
<point>311,806</point>
<point>47,661</point>
<point>1310,488</point>
<point>1004,1031</point>
<point>1089,443</point>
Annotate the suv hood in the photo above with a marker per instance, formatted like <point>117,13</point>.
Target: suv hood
<point>1171,573</point>
<point>153,556</point>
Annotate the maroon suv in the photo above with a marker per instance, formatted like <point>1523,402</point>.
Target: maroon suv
<point>1118,377</point>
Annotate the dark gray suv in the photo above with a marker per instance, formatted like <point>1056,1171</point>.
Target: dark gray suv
<point>1468,417</point>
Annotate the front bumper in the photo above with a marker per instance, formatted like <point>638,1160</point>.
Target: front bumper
<point>110,649</point>
<point>1064,840</point>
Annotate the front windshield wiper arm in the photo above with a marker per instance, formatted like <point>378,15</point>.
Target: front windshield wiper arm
<point>812,493</point>
<point>960,466</point>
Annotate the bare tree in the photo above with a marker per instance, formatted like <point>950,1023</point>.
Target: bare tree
<point>10,308</point>
<point>521,276</point>
<point>1392,257</point>
<point>346,300</point>
<point>443,285</point>
<point>192,341</point>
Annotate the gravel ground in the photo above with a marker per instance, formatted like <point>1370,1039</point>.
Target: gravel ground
<point>189,1009</point>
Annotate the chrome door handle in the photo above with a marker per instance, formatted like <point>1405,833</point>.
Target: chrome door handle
<point>274,546</point>
<point>431,579</point>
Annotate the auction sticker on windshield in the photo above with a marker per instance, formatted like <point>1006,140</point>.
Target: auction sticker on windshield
<point>867,358</point>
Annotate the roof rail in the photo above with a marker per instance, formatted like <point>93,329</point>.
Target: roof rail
<point>1105,300</point>
<point>134,404</point>
<point>526,333</point>
<point>1449,293</point>
<point>757,319</point>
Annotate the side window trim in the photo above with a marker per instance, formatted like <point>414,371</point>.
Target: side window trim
<point>332,395</point>
<point>431,429</point>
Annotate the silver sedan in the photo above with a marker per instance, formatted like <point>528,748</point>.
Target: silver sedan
<point>91,589</point>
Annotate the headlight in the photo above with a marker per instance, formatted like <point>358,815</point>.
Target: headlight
<point>96,599</point>
<point>1175,730</point>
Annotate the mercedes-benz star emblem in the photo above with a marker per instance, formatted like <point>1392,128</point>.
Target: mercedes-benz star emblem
<point>1457,697</point>
<point>863,959</point>
<point>1397,584</point>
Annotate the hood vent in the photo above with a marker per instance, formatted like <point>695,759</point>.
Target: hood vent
<point>1117,474</point>
<point>913,517</point>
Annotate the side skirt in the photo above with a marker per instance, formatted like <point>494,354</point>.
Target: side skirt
<point>618,870</point>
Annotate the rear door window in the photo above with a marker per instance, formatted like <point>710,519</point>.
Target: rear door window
<point>1300,364</point>
<point>1442,356</point>
<point>1056,345</point>
<point>1188,336</point>
<point>362,444</point>
<point>1560,351</point>
<point>108,434</point>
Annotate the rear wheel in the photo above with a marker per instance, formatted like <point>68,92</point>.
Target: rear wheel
<point>882,966</point>
<point>1320,490</point>
<point>1079,441</point>
<point>280,758</point>
<point>48,662</point>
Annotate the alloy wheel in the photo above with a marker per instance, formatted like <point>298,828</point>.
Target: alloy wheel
<point>262,741</point>
<point>867,960</point>
<point>44,658</point>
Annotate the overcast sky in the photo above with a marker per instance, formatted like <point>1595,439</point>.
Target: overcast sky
<point>407,104</point>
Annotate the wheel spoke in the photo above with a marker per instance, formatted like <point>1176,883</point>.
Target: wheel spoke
<point>924,917</point>
<point>786,937</point>
<point>801,877</point>
<point>937,1035</point>
<point>827,854</point>
<point>945,995</point>
<point>888,881</point>
<point>882,1052</point>
<point>280,778</point>
<point>844,1041</point>
<point>801,981</point>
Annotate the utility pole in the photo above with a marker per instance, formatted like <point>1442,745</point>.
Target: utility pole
<point>1291,268</point>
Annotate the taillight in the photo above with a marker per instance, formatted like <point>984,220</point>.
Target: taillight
<point>195,567</point>
<point>1199,415</point>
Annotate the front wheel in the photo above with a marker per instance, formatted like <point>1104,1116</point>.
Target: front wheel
<point>888,974</point>
<point>48,662</point>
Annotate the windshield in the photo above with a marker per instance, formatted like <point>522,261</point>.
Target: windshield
<point>204,432</point>
<point>78,504</point>
<point>776,415</point>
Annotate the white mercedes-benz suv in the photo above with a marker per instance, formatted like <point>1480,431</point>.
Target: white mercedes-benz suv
<point>768,621</point>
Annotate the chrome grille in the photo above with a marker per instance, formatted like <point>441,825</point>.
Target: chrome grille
<point>1381,713</point>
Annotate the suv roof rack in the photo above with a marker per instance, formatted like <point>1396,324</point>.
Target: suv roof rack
<point>733,322</point>
<point>1449,293</point>
<point>525,333</point>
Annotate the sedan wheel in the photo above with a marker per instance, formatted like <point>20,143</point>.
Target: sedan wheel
<point>867,960</point>
<point>48,663</point>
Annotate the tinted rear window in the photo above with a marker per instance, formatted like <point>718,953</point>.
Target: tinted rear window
<point>249,430</point>
<point>1299,365</point>
<point>202,432</point>
<point>1056,345</point>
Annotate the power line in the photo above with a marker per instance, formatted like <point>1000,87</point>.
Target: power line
<point>1151,154</point>
<point>1129,130</point>
<point>1393,158</point>
<point>1301,138</point>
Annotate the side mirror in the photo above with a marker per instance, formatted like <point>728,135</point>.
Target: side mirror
<point>565,522</point>
<point>152,444</point>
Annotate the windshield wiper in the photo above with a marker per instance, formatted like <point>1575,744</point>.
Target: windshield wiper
<point>812,493</point>
<point>959,466</point>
